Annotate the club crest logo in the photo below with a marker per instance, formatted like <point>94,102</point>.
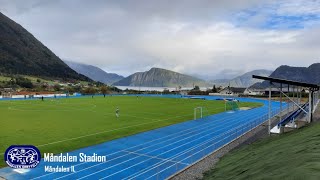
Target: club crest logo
<point>22,156</point>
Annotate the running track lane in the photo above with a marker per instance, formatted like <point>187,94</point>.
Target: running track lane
<point>156,154</point>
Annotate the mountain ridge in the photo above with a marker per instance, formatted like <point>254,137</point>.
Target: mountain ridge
<point>94,72</point>
<point>158,77</point>
<point>21,53</point>
<point>244,80</point>
<point>310,74</point>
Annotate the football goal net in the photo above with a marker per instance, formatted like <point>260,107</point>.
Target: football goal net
<point>200,112</point>
<point>231,106</point>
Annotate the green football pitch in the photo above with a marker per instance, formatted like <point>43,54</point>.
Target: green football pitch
<point>62,125</point>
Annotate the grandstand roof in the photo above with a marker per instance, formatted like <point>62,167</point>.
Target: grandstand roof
<point>285,81</point>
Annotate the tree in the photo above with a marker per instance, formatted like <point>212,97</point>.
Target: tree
<point>44,86</point>
<point>23,82</point>
<point>57,87</point>
<point>70,89</point>
<point>214,89</point>
<point>89,90</point>
<point>104,90</point>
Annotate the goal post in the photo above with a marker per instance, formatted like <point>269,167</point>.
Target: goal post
<point>200,109</point>
<point>231,105</point>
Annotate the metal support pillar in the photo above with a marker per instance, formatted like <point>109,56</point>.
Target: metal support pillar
<point>280,115</point>
<point>269,123</point>
<point>288,101</point>
<point>299,100</point>
<point>298,89</point>
<point>293,88</point>
<point>310,106</point>
<point>314,100</point>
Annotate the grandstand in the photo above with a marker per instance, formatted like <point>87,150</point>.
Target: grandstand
<point>300,113</point>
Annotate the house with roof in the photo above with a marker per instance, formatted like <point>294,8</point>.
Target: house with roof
<point>232,91</point>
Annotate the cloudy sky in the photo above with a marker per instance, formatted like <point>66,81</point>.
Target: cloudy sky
<point>209,38</point>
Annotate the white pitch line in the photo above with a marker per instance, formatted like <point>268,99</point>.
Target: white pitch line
<point>143,123</point>
<point>169,166</point>
<point>175,137</point>
<point>184,152</point>
<point>148,152</point>
<point>228,117</point>
<point>193,154</point>
<point>158,164</point>
<point>137,163</point>
<point>155,157</point>
<point>79,137</point>
<point>152,141</point>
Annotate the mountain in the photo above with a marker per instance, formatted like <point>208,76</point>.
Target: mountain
<point>309,74</point>
<point>94,73</point>
<point>157,77</point>
<point>22,53</point>
<point>244,80</point>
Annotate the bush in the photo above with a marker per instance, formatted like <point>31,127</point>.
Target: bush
<point>23,82</point>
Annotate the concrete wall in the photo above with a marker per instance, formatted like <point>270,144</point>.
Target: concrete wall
<point>49,95</point>
<point>19,96</point>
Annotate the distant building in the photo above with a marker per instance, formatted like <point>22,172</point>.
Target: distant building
<point>275,91</point>
<point>6,92</point>
<point>253,92</point>
<point>232,91</point>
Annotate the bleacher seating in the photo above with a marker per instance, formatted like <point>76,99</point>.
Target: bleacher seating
<point>292,116</point>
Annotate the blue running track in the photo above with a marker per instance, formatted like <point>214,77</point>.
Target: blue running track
<point>157,154</point>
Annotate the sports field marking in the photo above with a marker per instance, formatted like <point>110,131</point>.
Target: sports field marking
<point>16,105</point>
<point>180,154</point>
<point>181,160</point>
<point>136,163</point>
<point>90,109</point>
<point>159,164</point>
<point>150,151</point>
<point>191,148</point>
<point>148,142</point>
<point>174,137</point>
<point>75,138</point>
<point>156,157</point>
<point>154,121</point>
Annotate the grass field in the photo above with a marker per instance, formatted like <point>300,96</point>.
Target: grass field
<point>62,125</point>
<point>295,155</point>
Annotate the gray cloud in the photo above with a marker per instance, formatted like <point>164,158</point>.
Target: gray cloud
<point>194,37</point>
